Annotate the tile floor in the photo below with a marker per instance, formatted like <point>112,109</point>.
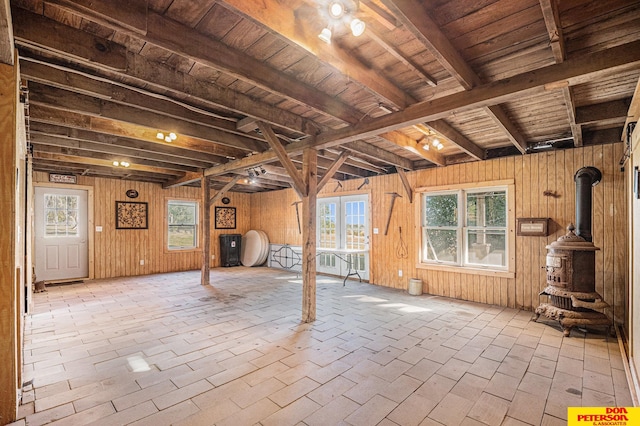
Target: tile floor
<point>159,350</point>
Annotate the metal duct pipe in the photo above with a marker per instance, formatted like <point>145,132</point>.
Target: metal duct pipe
<point>585,178</point>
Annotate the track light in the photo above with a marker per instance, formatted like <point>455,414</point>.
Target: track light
<point>251,173</point>
<point>262,170</point>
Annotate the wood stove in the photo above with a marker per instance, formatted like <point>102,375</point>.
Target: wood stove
<point>570,266</point>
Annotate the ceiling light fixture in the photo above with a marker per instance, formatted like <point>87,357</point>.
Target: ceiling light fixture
<point>325,35</point>
<point>121,164</point>
<point>167,138</point>
<point>357,27</point>
<point>336,9</point>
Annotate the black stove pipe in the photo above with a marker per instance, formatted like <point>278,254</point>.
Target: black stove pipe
<point>585,178</point>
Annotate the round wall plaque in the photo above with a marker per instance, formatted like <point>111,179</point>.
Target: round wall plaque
<point>225,200</point>
<point>132,193</point>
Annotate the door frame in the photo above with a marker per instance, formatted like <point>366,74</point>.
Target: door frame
<point>347,194</point>
<point>90,220</point>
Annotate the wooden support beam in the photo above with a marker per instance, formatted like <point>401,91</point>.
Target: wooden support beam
<point>7,49</point>
<point>10,317</point>
<point>405,184</point>
<point>157,119</point>
<point>87,48</point>
<point>289,23</point>
<point>224,189</point>
<point>310,176</point>
<point>332,170</point>
<point>188,178</point>
<point>206,230</point>
<point>275,144</point>
<point>577,70</point>
<point>412,145</point>
<point>448,132</point>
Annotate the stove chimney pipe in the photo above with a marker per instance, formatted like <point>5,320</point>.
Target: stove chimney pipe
<point>585,178</point>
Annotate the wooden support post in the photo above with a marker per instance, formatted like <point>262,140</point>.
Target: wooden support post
<point>310,177</point>
<point>10,346</point>
<point>206,230</point>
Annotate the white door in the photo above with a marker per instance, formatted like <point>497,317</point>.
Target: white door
<point>61,247</point>
<point>343,226</point>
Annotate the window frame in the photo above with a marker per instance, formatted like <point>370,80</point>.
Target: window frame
<point>196,225</point>
<point>462,229</point>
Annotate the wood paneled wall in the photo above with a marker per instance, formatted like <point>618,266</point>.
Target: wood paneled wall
<point>533,175</point>
<point>118,251</point>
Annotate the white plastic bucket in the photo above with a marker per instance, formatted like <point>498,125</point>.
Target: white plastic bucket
<point>415,286</point>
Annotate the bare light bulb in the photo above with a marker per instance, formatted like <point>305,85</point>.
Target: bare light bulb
<point>357,27</point>
<point>336,9</point>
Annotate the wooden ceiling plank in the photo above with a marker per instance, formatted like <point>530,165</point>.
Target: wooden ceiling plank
<point>414,17</point>
<point>575,70</point>
<point>122,151</point>
<point>7,48</point>
<point>420,24</point>
<point>132,14</point>
<point>33,29</point>
<point>289,25</point>
<point>443,128</point>
<point>75,102</point>
<point>408,62</point>
<point>104,163</point>
<point>333,169</point>
<point>48,75</point>
<point>603,111</point>
<point>44,114</point>
<point>179,155</point>
<point>162,78</point>
<point>281,153</point>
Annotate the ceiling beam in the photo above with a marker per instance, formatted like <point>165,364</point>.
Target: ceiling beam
<point>276,146</point>
<point>551,16</point>
<point>187,178</point>
<point>142,73</point>
<point>45,114</point>
<point>412,145</point>
<point>416,19</point>
<point>332,170</point>
<point>226,188</point>
<point>168,151</point>
<point>573,71</point>
<point>290,24</point>
<point>176,37</point>
<point>443,128</point>
<point>84,104</point>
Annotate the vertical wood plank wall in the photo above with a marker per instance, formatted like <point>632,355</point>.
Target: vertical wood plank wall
<point>118,251</point>
<point>532,174</point>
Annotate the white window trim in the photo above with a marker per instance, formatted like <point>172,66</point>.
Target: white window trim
<point>509,271</point>
<point>166,225</point>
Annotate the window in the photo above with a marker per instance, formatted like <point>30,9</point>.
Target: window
<point>467,227</point>
<point>61,215</point>
<point>182,224</point>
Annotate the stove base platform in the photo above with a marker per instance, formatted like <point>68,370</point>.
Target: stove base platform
<point>569,318</point>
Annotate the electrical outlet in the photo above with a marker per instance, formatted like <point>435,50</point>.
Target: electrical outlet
<point>141,261</point>
<point>399,272</point>
<point>375,230</point>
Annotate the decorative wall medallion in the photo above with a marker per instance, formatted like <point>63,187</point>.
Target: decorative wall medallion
<point>132,193</point>
<point>225,200</point>
<point>131,215</point>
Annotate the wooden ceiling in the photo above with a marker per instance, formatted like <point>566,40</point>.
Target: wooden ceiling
<point>240,82</point>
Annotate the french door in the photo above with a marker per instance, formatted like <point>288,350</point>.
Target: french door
<point>343,226</point>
